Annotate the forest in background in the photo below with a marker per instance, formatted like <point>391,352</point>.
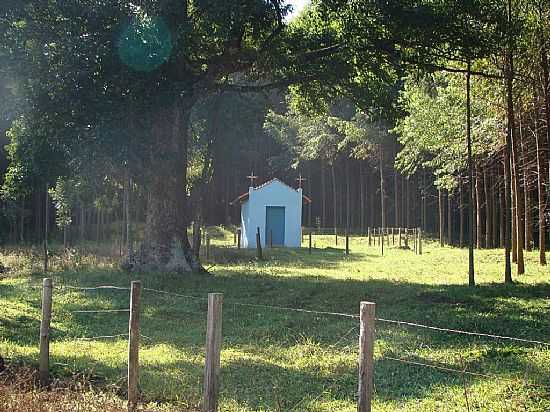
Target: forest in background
<point>380,145</point>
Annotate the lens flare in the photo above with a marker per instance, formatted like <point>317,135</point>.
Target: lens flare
<point>145,43</point>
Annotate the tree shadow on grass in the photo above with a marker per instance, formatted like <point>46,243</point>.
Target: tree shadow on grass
<point>516,310</point>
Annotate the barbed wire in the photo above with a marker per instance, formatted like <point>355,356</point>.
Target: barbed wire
<point>174,294</point>
<point>102,311</point>
<point>84,288</point>
<point>486,335</point>
<point>309,311</point>
<point>88,338</point>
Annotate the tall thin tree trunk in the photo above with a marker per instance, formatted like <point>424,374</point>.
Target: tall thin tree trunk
<point>519,199</point>
<point>408,200</point>
<point>540,189</point>
<point>461,217</point>
<point>541,159</point>
<point>396,197</point>
<point>309,186</point>
<point>449,218</point>
<point>488,219</point>
<point>323,195</point>
<point>514,212</point>
<point>361,198</point>
<point>495,190</point>
<point>479,228</point>
<point>46,227</point>
<point>382,194</point>
<point>441,218</point>
<point>502,202</point>
<point>128,235</point>
<point>471,272</point>
<point>509,75</point>
<point>348,196</point>
<point>528,221</point>
<point>335,198</point>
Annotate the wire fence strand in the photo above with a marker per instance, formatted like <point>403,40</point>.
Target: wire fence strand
<point>462,332</point>
<point>102,311</point>
<point>87,338</point>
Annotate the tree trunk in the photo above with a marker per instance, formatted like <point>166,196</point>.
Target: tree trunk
<point>502,202</point>
<point>509,75</point>
<point>495,189</point>
<point>540,153</point>
<point>361,198</point>
<point>396,197</point>
<point>471,273</point>
<point>519,199</point>
<point>408,199</point>
<point>488,219</point>
<point>335,198</point>
<point>166,245</point>
<point>382,202</point>
<point>309,186</point>
<point>540,190</point>
<point>348,196</point>
<point>461,217</point>
<point>441,218</point>
<point>479,227</point>
<point>514,213</point>
<point>323,195</point>
<point>449,218</point>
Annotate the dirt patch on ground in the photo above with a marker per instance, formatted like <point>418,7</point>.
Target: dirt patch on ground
<point>20,392</point>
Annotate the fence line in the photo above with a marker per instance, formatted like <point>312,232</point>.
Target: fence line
<point>175,294</point>
<point>92,287</point>
<point>349,315</point>
<point>102,337</point>
<point>462,332</point>
<point>101,311</point>
<point>367,322</point>
<point>315,312</point>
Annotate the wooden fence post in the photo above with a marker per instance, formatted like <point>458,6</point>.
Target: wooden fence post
<point>133,346</point>
<point>213,350</point>
<point>310,243</point>
<point>336,237</point>
<point>347,244</point>
<point>369,236</point>
<point>407,238</point>
<point>419,241</point>
<point>382,241</point>
<point>44,363</point>
<point>399,235</point>
<point>258,244</point>
<point>238,238</point>
<point>393,236</point>
<point>366,356</point>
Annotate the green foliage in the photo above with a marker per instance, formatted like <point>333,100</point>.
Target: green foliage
<point>63,199</point>
<point>433,133</point>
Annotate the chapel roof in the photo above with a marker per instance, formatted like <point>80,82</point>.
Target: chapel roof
<point>244,197</point>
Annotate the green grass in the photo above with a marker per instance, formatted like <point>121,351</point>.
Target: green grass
<point>275,360</point>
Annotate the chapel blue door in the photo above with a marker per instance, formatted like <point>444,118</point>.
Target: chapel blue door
<point>275,225</point>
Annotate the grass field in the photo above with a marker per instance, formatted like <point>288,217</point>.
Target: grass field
<point>278,360</point>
